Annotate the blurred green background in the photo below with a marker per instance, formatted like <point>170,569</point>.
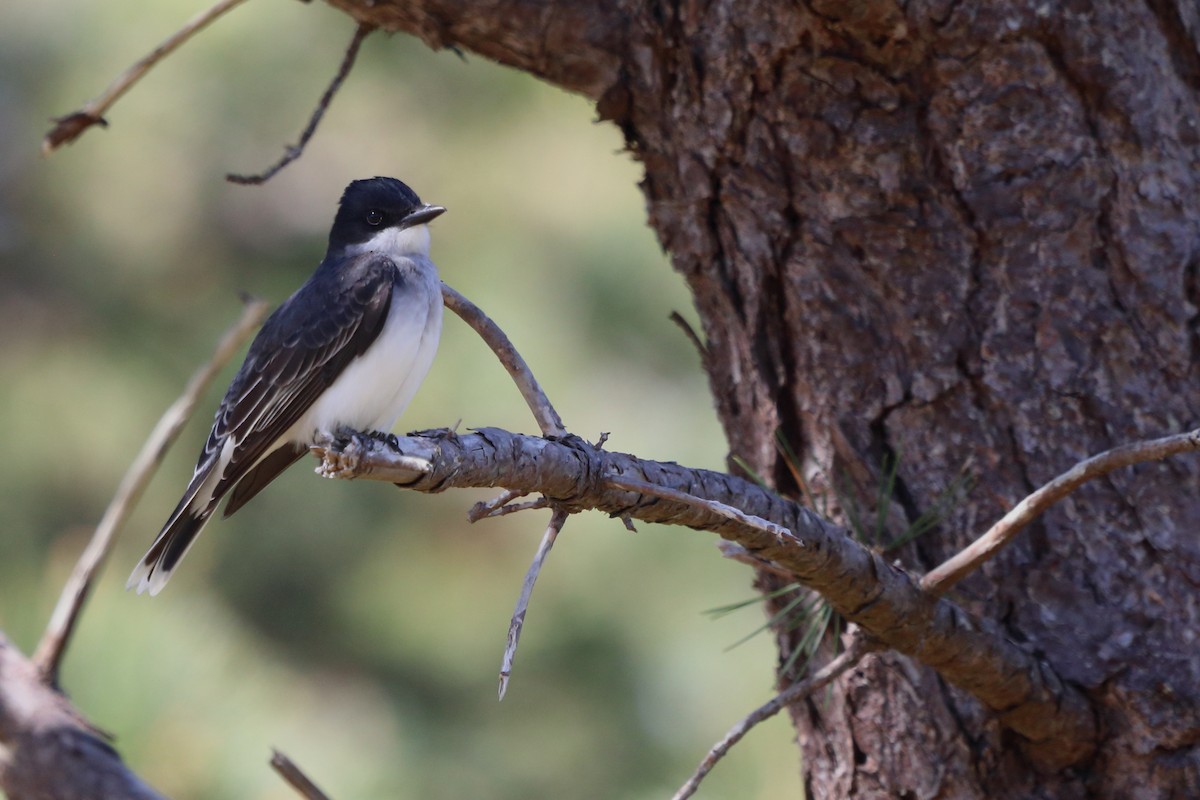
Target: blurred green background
<point>356,627</point>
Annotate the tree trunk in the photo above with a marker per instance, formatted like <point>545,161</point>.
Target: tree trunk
<point>963,235</point>
<point>962,239</point>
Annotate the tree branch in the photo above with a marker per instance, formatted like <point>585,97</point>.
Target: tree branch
<point>543,411</point>
<point>517,623</point>
<point>575,44</point>
<point>49,652</point>
<point>970,558</point>
<point>295,777</point>
<point>859,646</point>
<point>70,127</point>
<point>551,425</point>
<point>884,601</point>
<point>296,150</point>
<point>48,751</point>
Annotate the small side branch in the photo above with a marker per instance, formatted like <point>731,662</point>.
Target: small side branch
<point>858,648</point>
<point>547,418</point>
<point>551,425</point>
<point>939,580</point>
<point>49,653</point>
<point>691,334</point>
<point>296,150</point>
<point>487,508</point>
<point>345,460</point>
<point>736,552</point>
<point>503,505</point>
<point>70,127</point>
<point>517,623</point>
<point>295,777</point>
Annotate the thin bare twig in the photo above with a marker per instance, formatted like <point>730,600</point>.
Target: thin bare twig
<point>48,655</point>
<point>557,520</point>
<point>690,333</point>
<point>547,418</point>
<point>716,507</point>
<point>295,777</point>
<point>292,152</point>
<point>939,580</point>
<point>858,647</point>
<point>337,461</point>
<point>735,552</point>
<point>69,128</point>
<point>513,508</point>
<point>551,425</point>
<point>486,508</point>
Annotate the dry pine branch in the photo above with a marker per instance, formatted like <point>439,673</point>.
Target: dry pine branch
<point>859,584</point>
<point>48,750</point>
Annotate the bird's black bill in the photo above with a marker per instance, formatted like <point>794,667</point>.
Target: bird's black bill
<point>422,215</point>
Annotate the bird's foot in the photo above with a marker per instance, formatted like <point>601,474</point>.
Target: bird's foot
<point>387,438</point>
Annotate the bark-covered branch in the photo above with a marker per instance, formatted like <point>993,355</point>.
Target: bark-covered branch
<point>572,43</point>
<point>883,600</point>
<point>48,751</point>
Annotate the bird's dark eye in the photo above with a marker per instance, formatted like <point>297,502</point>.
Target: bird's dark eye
<point>374,217</point>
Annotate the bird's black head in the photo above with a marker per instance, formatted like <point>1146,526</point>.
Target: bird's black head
<point>373,206</point>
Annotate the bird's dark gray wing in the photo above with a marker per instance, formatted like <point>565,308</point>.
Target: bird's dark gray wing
<point>263,473</point>
<point>299,353</point>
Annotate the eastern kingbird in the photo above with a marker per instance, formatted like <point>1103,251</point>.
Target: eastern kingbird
<point>346,351</point>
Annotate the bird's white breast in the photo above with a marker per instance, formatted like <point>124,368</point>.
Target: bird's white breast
<point>375,388</point>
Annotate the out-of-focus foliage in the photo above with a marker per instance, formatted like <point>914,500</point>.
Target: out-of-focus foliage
<point>356,627</point>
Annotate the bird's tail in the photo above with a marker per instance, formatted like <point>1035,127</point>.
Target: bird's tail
<point>155,568</point>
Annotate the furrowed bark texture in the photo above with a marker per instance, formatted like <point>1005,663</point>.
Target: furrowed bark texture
<point>963,234</point>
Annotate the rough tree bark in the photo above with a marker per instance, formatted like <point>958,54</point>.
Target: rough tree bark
<point>960,233</point>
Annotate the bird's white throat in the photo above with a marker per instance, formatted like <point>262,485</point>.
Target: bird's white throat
<point>412,241</point>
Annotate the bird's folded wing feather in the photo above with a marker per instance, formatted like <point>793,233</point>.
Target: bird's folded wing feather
<point>284,373</point>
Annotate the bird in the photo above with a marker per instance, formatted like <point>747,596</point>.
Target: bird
<point>346,351</point>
